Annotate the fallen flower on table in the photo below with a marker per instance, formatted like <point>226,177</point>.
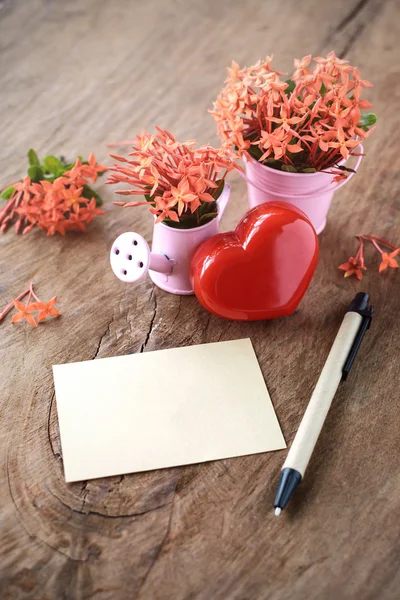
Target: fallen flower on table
<point>54,196</point>
<point>388,260</point>
<point>24,311</point>
<point>355,266</point>
<point>46,309</point>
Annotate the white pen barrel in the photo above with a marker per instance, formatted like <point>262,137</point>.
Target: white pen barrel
<point>324,392</point>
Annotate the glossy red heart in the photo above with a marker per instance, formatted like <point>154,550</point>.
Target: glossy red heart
<point>262,269</point>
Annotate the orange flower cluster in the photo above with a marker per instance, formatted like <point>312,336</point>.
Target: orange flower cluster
<point>54,205</point>
<point>308,123</point>
<point>180,182</point>
<point>43,309</point>
<point>355,265</point>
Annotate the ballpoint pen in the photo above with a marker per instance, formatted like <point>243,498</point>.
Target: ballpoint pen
<point>336,369</point>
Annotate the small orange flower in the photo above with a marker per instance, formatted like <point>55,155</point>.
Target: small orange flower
<point>92,170</point>
<point>88,212</point>
<point>24,312</point>
<point>353,267</point>
<point>45,309</point>
<point>162,212</point>
<point>80,173</point>
<point>301,67</point>
<point>73,196</point>
<point>284,121</point>
<point>388,260</point>
<point>181,196</point>
<point>343,144</point>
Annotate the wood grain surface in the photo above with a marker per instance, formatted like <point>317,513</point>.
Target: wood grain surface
<point>74,76</point>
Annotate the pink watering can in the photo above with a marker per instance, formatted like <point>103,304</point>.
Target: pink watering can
<point>168,261</point>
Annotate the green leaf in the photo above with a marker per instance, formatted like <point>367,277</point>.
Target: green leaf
<point>309,170</point>
<point>255,152</point>
<point>208,217</point>
<point>88,193</point>
<point>53,165</point>
<point>288,168</point>
<point>68,166</point>
<point>323,89</point>
<point>216,192</point>
<point>290,87</point>
<point>367,120</point>
<point>35,173</point>
<point>6,194</point>
<point>33,158</point>
<point>189,223</point>
<point>344,168</point>
<point>206,207</point>
<point>272,163</point>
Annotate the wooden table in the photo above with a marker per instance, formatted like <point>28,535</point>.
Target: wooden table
<point>76,75</point>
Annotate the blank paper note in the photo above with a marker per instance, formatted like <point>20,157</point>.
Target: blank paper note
<point>162,409</point>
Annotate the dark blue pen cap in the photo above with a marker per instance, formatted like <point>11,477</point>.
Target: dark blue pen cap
<point>359,302</point>
<point>359,305</point>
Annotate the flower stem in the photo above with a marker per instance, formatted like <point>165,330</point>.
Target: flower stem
<point>376,246</point>
<point>381,241</point>
<point>32,292</point>
<point>10,306</point>
<point>360,253</point>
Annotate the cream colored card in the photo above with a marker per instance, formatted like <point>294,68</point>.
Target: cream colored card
<point>162,409</point>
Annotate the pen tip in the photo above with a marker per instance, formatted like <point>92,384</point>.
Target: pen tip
<point>277,511</point>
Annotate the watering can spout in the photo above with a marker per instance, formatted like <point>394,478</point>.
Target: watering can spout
<point>131,258</point>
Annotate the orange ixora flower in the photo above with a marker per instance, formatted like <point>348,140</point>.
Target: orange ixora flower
<point>82,172</point>
<point>25,311</point>
<point>355,265</point>
<point>181,183</point>
<point>56,203</point>
<point>46,308</point>
<point>310,122</point>
<point>342,144</point>
<point>388,260</point>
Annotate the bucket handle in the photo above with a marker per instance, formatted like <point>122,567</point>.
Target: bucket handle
<point>223,201</point>
<point>316,192</point>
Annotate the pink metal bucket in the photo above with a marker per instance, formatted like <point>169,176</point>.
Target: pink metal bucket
<point>310,192</point>
<point>179,245</point>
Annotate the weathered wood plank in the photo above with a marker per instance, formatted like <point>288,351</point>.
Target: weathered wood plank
<point>74,76</point>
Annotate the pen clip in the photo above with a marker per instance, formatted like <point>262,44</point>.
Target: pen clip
<point>365,324</point>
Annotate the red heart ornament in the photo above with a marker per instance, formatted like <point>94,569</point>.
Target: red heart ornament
<point>262,269</point>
